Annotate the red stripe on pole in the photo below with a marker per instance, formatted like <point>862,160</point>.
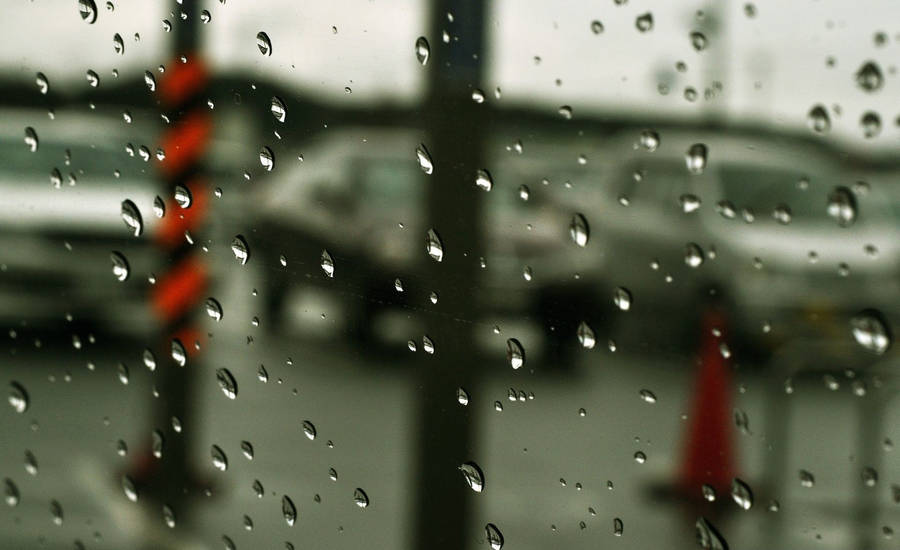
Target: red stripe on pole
<point>178,220</point>
<point>180,289</point>
<point>185,142</point>
<point>183,80</point>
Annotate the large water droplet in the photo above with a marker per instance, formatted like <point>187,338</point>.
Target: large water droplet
<point>622,298</point>
<point>288,510</point>
<point>120,267</point>
<point>423,50</point>
<point>93,78</point>
<point>183,196</point>
<point>327,263</point>
<point>18,397</point>
<point>278,110</point>
<point>579,230</point>
<point>693,255</point>
<point>159,207</point>
<point>515,353</point>
<point>462,396</point>
<point>219,460</point>
<point>118,44</point>
<point>424,159</point>
<point>132,217</point>
<point>266,159</point>
<point>309,430</point>
<point>741,494</point>
<point>433,245</point>
<point>129,489</point>
<point>227,383</point>
<point>586,336</point>
<point>869,77</point>
<point>88,10</point>
<point>473,475</point>
<point>494,536</point>
<point>818,119</point>
<point>842,206</point>
<point>31,139</point>
<point>649,140</point>
<point>618,527</point>
<point>263,43</point>
<point>871,124</point>
<point>484,180</point>
<point>179,353</point>
<point>360,498</point>
<point>698,41</point>
<point>42,83</point>
<point>644,22</point>
<point>695,158</point>
<point>150,81</point>
<point>870,331</point>
<point>214,309</point>
<point>708,537</point>
<point>240,249</point>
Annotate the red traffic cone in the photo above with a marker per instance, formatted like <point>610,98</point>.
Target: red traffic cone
<point>709,448</point>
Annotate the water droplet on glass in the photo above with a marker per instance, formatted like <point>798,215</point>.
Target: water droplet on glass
<point>818,119</point>
<point>708,537</point>
<point>266,159</point>
<point>618,527</point>
<point>214,309</point>
<point>741,494</point>
<point>118,44</point>
<point>263,43</point>
<point>227,382</point>
<point>782,214</point>
<point>462,396</point>
<point>871,124</point>
<point>649,140</point>
<point>869,77</point>
<point>423,50</point>
<point>869,476</point>
<point>596,27</point>
<point>120,267</point>
<point>478,95</point>
<point>524,192</point>
<point>309,430</point>
<point>327,263</point>
<point>288,510</point>
<point>494,536</point>
<point>807,479</point>
<point>18,397</point>
<point>92,78</point>
<point>515,353</point>
<point>360,498</point>
<point>483,180</point>
<point>149,360</point>
<point>622,298</point>
<point>183,196</point>
<point>240,249</point>
<point>709,494</point>
<point>123,374</point>
<point>219,460</point>
<point>640,457</point>
<point>565,111</point>
<point>433,245</point>
<point>205,16</point>
<point>179,353</point>
<point>693,255</point>
<point>870,331</point>
<point>585,336</point>
<point>56,511</point>
<point>168,516</point>
<point>427,345</point>
<point>579,230</point>
<point>473,476</point>
<point>695,159</point>
<point>647,396</point>
<point>842,206</point>
<point>644,22</point>
<point>424,159</point>
<point>278,110</point>
<point>88,10</point>
<point>698,41</point>
<point>10,493</point>
<point>132,217</point>
<point>31,139</point>
<point>129,489</point>
<point>42,83</point>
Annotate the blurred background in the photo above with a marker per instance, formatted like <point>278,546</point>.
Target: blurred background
<point>449,274</point>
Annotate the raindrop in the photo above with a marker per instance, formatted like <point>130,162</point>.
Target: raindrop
<point>742,421</point>
<point>214,309</point>
<point>42,83</point>
<point>807,479</point>
<point>579,230</point>
<point>424,159</point>
<point>515,353</point>
<point>423,50</point>
<point>709,494</point>
<point>708,537</point>
<point>640,457</point>
<point>266,159</point>
<point>695,159</point>
<point>494,536</point>
<point>524,192</point>
<point>473,476</point>
<point>483,180</point>
<point>649,140</point>
<point>179,354</point>
<point>433,245</point>
<point>120,267</point>
<point>219,460</point>
<point>644,22</point>
<point>263,43</point>
<point>92,78</point>
<point>689,203</point>
<point>240,249</point>
<point>842,206</point>
<point>327,263</point>
<point>647,396</point>
<point>288,510</point>
<point>309,430</point>
<point>88,10</point>
<point>782,214</point>
<point>18,397</point>
<point>869,77</point>
<point>129,489</point>
<point>10,493</point>
<point>693,255</point>
<point>168,516</point>
<point>205,16</point>
<point>870,331</point>
<point>123,374</point>
<point>118,44</point>
<point>56,511</point>
<point>149,360</point>
<point>869,476</point>
<point>150,81</point>
<point>871,124</point>
<point>278,110</point>
<point>360,498</point>
<point>227,383</point>
<point>31,465</point>
<point>596,27</point>
<point>741,494</point>
<point>698,41</point>
<point>132,217</point>
<point>462,396</point>
<point>585,335</point>
<point>618,527</point>
<point>622,298</point>
<point>183,196</point>
<point>566,112</point>
<point>427,345</point>
<point>31,139</point>
<point>478,95</point>
<point>159,207</point>
<point>818,119</point>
